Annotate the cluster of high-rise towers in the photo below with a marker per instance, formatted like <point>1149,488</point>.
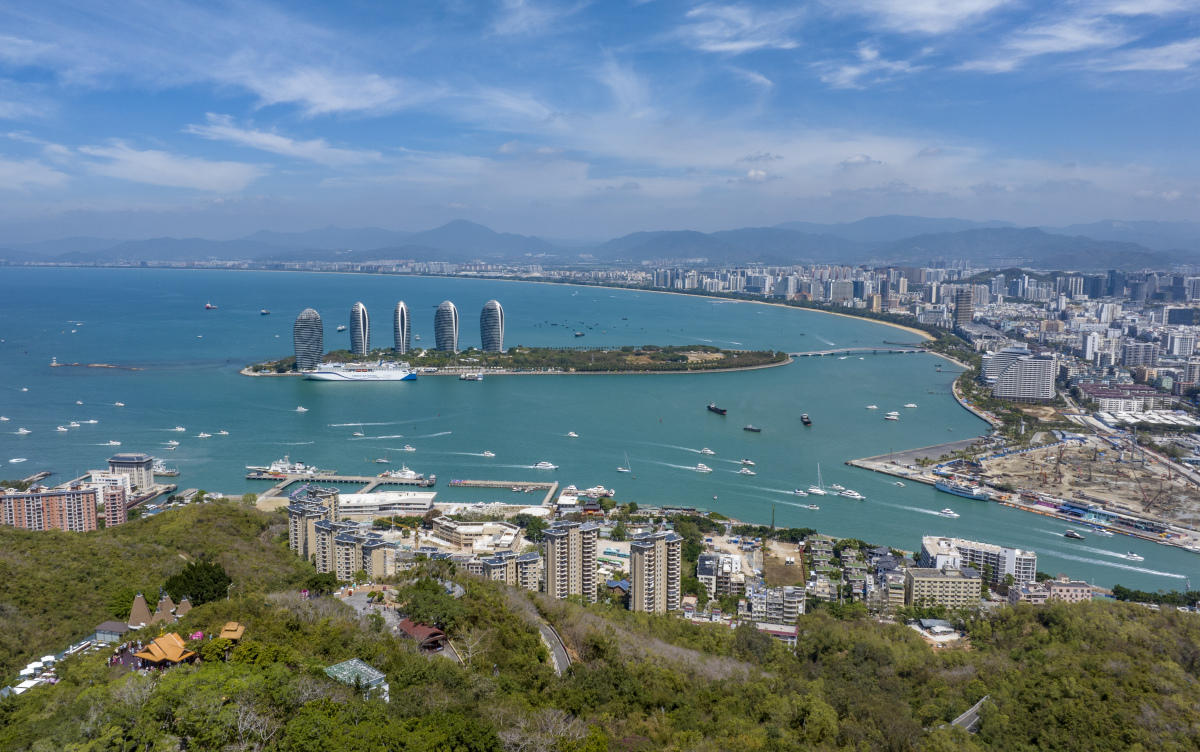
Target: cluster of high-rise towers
<point>309,336</point>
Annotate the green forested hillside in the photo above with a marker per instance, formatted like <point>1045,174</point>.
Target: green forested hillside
<point>1070,677</point>
<point>56,587</point>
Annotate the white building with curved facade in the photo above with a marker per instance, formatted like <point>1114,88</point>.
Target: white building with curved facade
<point>445,327</point>
<point>360,330</point>
<point>402,328</point>
<point>491,327</point>
<point>309,338</point>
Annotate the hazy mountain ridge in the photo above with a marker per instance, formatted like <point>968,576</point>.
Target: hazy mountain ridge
<point>460,241</point>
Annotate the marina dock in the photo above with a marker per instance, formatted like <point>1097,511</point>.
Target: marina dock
<point>551,488</point>
<point>371,483</point>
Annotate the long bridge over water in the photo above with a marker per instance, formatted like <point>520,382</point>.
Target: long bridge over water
<point>859,351</point>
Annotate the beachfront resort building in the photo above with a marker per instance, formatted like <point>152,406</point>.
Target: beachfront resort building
<point>139,468</point>
<point>938,553</point>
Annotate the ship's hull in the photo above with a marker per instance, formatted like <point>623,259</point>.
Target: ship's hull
<point>965,493</point>
<point>362,375</point>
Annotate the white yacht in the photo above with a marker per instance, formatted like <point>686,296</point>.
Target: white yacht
<point>92,421</point>
<point>62,428</point>
<point>910,404</point>
<point>891,417</point>
<point>222,433</point>
<point>409,448</point>
<point>17,459</point>
<point>872,407</point>
<point>180,429</point>
<point>113,443</point>
<point>172,443</point>
<point>118,404</point>
<point>838,487</point>
<point>286,467</point>
<point>23,430</point>
<point>1102,531</point>
<point>703,468</point>
<point>813,507</point>
<point>203,435</point>
<point>2,418</point>
<point>73,424</point>
<point>898,483</point>
<point>301,409</point>
<point>748,462</point>
<point>705,450</point>
<point>545,466</point>
<point>948,512</point>
<point>746,471</point>
<point>1131,556</point>
<point>402,474</point>
<point>489,454</point>
<point>851,494</point>
<point>798,492</point>
<point>817,491</point>
<point>78,402</point>
<point>572,435</point>
<point>598,491</point>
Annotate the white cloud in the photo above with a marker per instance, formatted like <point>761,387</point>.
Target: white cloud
<point>858,160</point>
<point>163,168</point>
<point>922,16</point>
<point>754,77</point>
<point>322,92</point>
<point>1169,57</point>
<point>222,128</point>
<point>528,17</point>
<point>735,29</point>
<point>30,173</point>
<point>870,65</point>
<point>627,87</point>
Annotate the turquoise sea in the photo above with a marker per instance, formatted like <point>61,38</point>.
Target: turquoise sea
<point>155,320</point>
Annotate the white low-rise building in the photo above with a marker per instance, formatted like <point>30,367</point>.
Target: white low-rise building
<point>386,504</point>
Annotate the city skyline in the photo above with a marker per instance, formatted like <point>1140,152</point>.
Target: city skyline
<point>584,120</point>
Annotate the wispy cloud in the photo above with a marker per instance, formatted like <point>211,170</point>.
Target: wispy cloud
<point>629,90</point>
<point>222,128</point>
<point>119,160</point>
<point>870,68</point>
<point>921,16</point>
<point>736,29</point>
<point>530,17</point>
<point>22,175</point>
<point>1169,57</point>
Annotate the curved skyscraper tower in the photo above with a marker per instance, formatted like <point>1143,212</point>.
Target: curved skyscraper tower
<point>491,327</point>
<point>360,330</point>
<point>445,327</point>
<point>309,338</point>
<point>402,325</point>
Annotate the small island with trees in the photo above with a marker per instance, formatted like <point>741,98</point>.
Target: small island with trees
<point>552,360</point>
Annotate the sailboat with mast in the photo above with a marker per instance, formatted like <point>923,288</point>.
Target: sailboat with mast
<point>819,489</point>
<point>385,459</point>
<point>627,468</point>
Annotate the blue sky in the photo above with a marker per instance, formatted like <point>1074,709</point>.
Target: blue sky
<point>591,119</point>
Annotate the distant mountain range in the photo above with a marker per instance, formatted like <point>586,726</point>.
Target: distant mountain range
<point>883,240</point>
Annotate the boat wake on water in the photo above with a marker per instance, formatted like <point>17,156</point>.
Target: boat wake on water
<point>670,464</point>
<point>831,344</point>
<point>1089,549</point>
<point>431,435</point>
<point>373,438</point>
<point>388,423</point>
<point>1101,562</point>
<point>292,443</point>
<point>911,509</point>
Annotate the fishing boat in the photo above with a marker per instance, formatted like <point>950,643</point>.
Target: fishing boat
<point>805,419</point>
<point>712,408</point>
<point>1131,556</point>
<point>264,312</point>
<point>209,307</point>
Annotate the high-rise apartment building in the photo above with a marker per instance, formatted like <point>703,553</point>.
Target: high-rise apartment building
<point>518,570</point>
<point>655,566</point>
<point>360,330</point>
<point>1139,354</point>
<point>571,559</point>
<point>402,328</point>
<point>1027,379</point>
<point>115,501</point>
<point>939,553</point>
<point>72,509</point>
<point>964,307</point>
<point>445,327</point>
<point>308,336</point>
<point>491,327</point>
<point>139,468</point>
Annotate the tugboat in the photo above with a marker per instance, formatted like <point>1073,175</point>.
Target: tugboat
<point>712,408</point>
<point>805,419</point>
<point>1073,535</point>
<point>752,429</point>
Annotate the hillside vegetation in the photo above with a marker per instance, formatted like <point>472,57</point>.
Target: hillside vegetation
<point>56,587</point>
<point>1078,677</point>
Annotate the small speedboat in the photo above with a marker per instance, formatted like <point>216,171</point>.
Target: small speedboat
<point>92,421</point>
<point>489,454</point>
<point>118,404</point>
<point>898,483</point>
<point>17,459</point>
<point>837,487</point>
<point>409,448</point>
<point>1102,531</point>
<point>222,433</point>
<point>748,462</point>
<point>1072,535</point>
<point>910,404</point>
<point>798,492</point>
<point>62,428</point>
<point>203,435</point>
<point>382,461</point>
<point>73,424</point>
<point>179,428</point>
<point>1131,556</point>
<point>813,507</point>
<point>703,468</point>
<point>113,443</point>
<point>23,431</point>
<point>545,466</point>
<point>572,435</point>
<point>301,409</point>
<point>706,450</point>
<point>872,407</point>
<point>2,418</point>
<point>891,417</point>
<point>746,471</point>
<point>172,443</point>
<point>948,512</point>
<point>78,402</point>
<point>343,328</point>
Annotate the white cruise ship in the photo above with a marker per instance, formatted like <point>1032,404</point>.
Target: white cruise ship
<point>380,371</point>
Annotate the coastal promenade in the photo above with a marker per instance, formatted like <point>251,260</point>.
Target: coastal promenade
<point>859,351</point>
